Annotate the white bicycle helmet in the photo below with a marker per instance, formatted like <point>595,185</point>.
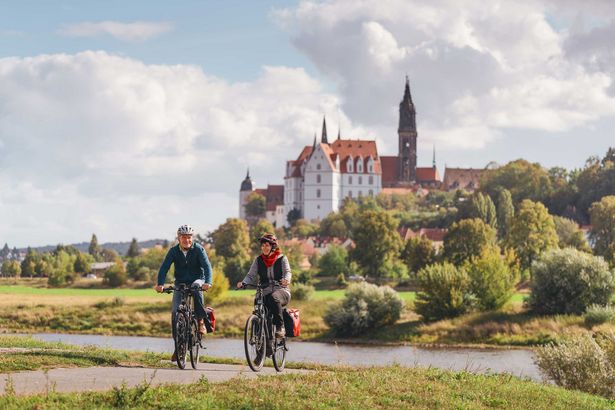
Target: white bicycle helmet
<point>185,230</point>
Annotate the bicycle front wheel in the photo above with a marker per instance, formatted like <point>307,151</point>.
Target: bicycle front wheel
<point>254,342</point>
<point>181,339</point>
<point>279,354</point>
<point>195,340</point>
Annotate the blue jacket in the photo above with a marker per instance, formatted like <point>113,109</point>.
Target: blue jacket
<point>195,265</point>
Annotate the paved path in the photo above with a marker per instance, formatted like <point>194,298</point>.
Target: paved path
<point>104,378</point>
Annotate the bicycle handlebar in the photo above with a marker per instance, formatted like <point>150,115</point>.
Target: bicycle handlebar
<point>261,286</point>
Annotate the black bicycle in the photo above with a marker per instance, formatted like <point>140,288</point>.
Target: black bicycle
<point>259,335</point>
<point>186,333</point>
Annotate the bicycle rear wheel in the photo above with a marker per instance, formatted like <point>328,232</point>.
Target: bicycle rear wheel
<point>181,339</point>
<point>279,354</point>
<point>254,342</point>
<point>195,340</point>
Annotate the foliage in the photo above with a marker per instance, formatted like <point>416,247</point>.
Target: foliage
<point>532,232</point>
<point>116,275</point>
<point>260,228</point>
<point>82,263</point>
<point>377,242</point>
<point>492,280</point>
<point>293,216</point>
<point>256,205</point>
<point>235,268</point>
<point>583,363</point>
<point>595,181</point>
<point>295,255</point>
<point>569,235</point>
<point>479,206</point>
<point>365,307</point>
<point>568,281</point>
<point>108,255</point>
<point>341,280</point>
<point>219,288</point>
<point>305,276</point>
<point>304,228</point>
<point>334,261</point>
<point>598,314</point>
<point>466,239</point>
<point>445,292</point>
<point>231,239</point>
<point>523,179</point>
<point>11,269</point>
<point>603,226</point>
<point>334,225</point>
<point>505,212</point>
<point>418,253</point>
<point>94,248</point>
<point>301,291</point>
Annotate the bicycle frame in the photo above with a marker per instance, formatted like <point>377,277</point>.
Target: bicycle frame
<point>186,341</point>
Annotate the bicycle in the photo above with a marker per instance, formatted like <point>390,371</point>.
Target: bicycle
<point>186,335</point>
<point>259,334</point>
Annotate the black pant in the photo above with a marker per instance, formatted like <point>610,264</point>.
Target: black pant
<point>275,302</point>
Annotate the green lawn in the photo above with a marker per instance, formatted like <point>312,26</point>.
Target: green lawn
<point>26,290</point>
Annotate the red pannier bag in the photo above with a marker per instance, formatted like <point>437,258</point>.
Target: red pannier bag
<point>212,319</point>
<point>292,324</point>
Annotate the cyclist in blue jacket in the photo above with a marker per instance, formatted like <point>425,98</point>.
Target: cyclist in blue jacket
<point>192,268</point>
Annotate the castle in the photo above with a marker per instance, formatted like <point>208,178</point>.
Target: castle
<point>316,183</point>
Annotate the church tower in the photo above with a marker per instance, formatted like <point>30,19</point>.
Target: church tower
<point>406,171</point>
<point>244,191</point>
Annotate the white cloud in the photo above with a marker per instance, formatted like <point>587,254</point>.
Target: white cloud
<point>132,32</point>
<point>477,68</point>
<point>95,142</point>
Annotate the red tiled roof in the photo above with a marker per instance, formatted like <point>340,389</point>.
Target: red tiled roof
<point>427,174</point>
<point>356,149</point>
<point>275,196</point>
<point>389,169</point>
<point>399,191</point>
<point>433,234</point>
<point>462,178</point>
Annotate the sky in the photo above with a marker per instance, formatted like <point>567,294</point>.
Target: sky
<point>128,119</point>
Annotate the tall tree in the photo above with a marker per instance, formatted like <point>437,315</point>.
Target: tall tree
<point>483,208</point>
<point>334,225</point>
<point>418,253</point>
<point>569,235</point>
<point>532,232</point>
<point>505,212</point>
<point>10,269</point>
<point>5,252</point>
<point>133,249</point>
<point>603,227</point>
<point>377,242</point>
<point>466,239</point>
<point>232,242</point>
<point>94,249</point>
<point>523,179</point>
<point>334,261</point>
<point>256,205</point>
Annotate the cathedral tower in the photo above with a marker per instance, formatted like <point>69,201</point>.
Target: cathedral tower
<point>406,172</point>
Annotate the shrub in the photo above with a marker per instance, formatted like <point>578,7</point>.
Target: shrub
<point>365,307</point>
<point>301,291</point>
<point>305,277</point>
<point>445,292</point>
<point>568,281</point>
<point>597,315</point>
<point>220,286</point>
<point>115,276</point>
<point>341,280</point>
<point>584,363</point>
<point>491,280</point>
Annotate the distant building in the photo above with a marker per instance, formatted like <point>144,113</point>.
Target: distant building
<point>274,201</point>
<point>462,178</point>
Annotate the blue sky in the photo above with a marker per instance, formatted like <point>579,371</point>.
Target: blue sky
<point>126,119</point>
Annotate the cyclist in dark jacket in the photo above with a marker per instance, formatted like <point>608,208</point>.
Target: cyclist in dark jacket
<point>192,268</point>
<point>271,265</point>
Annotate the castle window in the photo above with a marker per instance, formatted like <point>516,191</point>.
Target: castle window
<point>360,165</point>
<point>318,193</point>
<point>350,165</point>
<point>360,180</point>
<point>318,178</point>
<point>370,180</point>
<point>317,166</point>
<point>350,179</point>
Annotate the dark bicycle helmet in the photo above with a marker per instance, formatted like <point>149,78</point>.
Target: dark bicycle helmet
<point>270,239</point>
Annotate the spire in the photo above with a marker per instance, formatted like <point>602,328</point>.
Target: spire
<point>314,144</point>
<point>248,173</point>
<point>434,156</point>
<point>407,95</point>
<point>339,132</point>
<point>407,114</point>
<point>246,184</point>
<point>323,139</point>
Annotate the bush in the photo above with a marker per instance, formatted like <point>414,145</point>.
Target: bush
<point>597,315</point>
<point>584,363</point>
<point>58,278</point>
<point>364,307</point>
<point>301,291</point>
<point>220,286</point>
<point>115,276</point>
<point>568,281</point>
<point>341,281</point>
<point>445,292</point>
<point>491,280</point>
<point>305,277</point>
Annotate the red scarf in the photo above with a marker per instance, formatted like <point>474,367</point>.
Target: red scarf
<point>271,258</point>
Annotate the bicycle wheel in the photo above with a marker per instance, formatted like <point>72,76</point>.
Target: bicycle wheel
<point>194,344</point>
<point>254,343</point>
<point>279,354</point>
<point>181,339</point>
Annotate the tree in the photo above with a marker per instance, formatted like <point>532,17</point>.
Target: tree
<point>303,229</point>
<point>82,263</point>
<point>29,263</point>
<point>377,242</point>
<point>568,281</point>
<point>260,228</point>
<point>532,232</point>
<point>334,225</point>
<point>10,269</point>
<point>466,239</point>
<point>293,216</point>
<point>108,255</point>
<point>133,249</point>
<point>295,256</point>
<point>569,234</point>
<point>116,275</point>
<point>445,292</point>
<point>482,207</point>
<point>256,205</point>
<point>523,179</point>
<point>334,261</point>
<point>491,280</point>
<point>231,241</point>
<point>602,234</point>
<point>505,212</point>
<point>418,253</point>
<point>5,252</point>
<point>94,249</point>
